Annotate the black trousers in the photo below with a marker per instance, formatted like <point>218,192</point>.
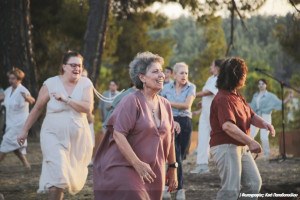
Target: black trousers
<point>182,145</point>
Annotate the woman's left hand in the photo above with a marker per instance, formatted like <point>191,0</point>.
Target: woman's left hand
<point>171,179</point>
<point>59,96</point>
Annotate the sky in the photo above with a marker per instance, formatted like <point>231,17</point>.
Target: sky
<point>271,7</point>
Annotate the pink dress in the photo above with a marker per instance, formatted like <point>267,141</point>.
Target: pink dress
<point>114,177</point>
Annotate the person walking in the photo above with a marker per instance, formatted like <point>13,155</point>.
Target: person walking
<point>16,101</point>
<point>66,141</point>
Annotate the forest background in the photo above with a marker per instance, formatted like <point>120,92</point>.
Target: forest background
<point>267,42</point>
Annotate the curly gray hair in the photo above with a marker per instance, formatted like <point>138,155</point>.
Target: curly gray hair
<point>140,65</point>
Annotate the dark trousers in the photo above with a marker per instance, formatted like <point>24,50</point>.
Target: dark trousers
<point>182,145</point>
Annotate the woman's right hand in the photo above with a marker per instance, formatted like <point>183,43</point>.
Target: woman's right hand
<point>145,172</point>
<point>21,138</point>
<point>254,147</point>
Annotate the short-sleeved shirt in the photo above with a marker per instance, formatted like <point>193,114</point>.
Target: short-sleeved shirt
<point>228,106</point>
<point>169,92</point>
<point>103,105</point>
<point>267,102</point>
<point>133,118</point>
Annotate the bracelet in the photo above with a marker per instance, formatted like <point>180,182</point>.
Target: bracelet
<point>69,100</point>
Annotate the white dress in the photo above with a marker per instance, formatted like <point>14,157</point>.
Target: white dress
<point>66,141</point>
<point>17,110</point>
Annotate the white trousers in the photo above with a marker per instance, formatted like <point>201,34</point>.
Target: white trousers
<point>264,134</point>
<point>237,170</point>
<point>203,138</point>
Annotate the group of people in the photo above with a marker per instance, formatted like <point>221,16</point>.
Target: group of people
<point>147,129</point>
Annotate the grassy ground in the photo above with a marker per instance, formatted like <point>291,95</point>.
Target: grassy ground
<point>16,183</point>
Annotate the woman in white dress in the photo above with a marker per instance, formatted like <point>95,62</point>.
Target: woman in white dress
<point>66,141</point>
<point>16,101</point>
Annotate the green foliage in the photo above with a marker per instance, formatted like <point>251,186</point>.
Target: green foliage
<point>289,36</point>
<point>58,27</point>
<point>134,39</point>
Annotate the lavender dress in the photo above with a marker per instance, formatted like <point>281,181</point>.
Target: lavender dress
<point>114,177</point>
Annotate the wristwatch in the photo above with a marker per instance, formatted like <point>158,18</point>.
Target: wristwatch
<point>174,165</point>
<point>69,100</point>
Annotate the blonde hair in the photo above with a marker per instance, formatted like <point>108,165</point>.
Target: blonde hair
<point>178,65</point>
<point>19,74</point>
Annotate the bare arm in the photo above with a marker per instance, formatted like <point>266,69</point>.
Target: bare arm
<point>183,105</point>
<point>141,168</point>
<point>236,133</point>
<point>204,93</point>
<point>83,106</point>
<point>38,108</point>
<point>90,118</point>
<point>261,123</point>
<point>28,98</point>
<point>2,96</point>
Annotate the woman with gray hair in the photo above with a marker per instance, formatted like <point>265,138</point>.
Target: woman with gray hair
<point>130,161</point>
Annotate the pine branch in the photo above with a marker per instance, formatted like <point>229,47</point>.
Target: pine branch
<point>293,4</point>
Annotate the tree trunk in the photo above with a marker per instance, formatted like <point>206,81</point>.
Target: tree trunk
<point>15,41</point>
<point>94,37</point>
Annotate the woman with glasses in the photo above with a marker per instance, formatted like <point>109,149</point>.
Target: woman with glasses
<point>66,141</point>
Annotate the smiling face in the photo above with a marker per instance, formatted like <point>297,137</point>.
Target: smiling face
<point>73,68</point>
<point>154,77</point>
<point>262,86</point>
<point>181,76</point>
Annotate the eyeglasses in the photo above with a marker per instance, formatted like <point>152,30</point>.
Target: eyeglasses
<point>74,65</point>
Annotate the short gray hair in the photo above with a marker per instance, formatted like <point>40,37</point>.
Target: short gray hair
<point>178,65</point>
<point>140,65</point>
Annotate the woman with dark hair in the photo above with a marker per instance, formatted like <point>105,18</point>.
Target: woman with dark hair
<point>16,101</point>
<point>230,119</point>
<point>130,161</point>
<point>263,102</point>
<point>66,141</point>
<point>208,93</point>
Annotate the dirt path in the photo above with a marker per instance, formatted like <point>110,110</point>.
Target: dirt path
<point>17,183</point>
